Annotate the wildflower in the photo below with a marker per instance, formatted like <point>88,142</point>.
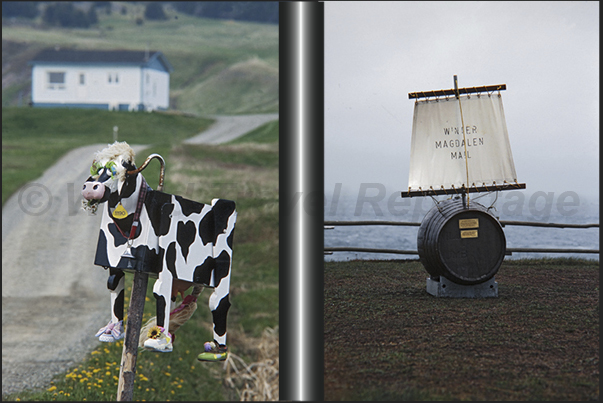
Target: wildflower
<point>52,388</point>
<point>95,352</point>
<point>108,373</point>
<point>154,332</point>
<point>167,374</point>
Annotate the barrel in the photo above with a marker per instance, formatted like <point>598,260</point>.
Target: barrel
<point>464,243</point>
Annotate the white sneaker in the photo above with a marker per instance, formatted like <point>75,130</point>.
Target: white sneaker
<point>159,340</point>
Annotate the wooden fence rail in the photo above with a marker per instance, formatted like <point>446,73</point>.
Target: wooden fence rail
<point>333,224</point>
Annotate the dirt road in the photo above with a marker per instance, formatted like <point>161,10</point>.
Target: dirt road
<point>53,298</point>
<point>228,128</point>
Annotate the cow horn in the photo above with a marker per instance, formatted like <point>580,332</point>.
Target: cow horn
<point>144,165</point>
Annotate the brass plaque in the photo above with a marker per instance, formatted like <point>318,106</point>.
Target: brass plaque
<point>472,233</point>
<point>469,223</point>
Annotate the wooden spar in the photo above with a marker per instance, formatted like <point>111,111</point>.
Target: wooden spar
<point>462,190</point>
<point>129,355</point>
<point>452,91</point>
<point>127,369</point>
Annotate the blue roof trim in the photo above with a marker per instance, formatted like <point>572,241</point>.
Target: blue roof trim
<point>152,59</point>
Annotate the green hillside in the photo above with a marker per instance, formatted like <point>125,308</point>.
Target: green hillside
<point>220,66</point>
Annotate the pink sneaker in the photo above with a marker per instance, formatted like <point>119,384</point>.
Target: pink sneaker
<point>110,333</point>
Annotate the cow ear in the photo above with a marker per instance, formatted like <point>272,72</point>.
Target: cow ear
<point>128,166</point>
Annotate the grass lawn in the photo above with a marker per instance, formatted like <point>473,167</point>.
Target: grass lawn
<point>386,338</point>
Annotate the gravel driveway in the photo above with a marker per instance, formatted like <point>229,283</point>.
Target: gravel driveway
<point>53,298</point>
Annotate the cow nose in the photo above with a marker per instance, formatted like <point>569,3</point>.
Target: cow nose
<point>93,190</point>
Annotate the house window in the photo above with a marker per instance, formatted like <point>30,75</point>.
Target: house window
<point>82,79</point>
<point>56,80</point>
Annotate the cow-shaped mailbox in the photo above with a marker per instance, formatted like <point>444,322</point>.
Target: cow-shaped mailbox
<point>166,236</point>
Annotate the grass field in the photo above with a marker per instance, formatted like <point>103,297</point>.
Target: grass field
<point>35,138</point>
<point>245,171</point>
<point>387,339</point>
<point>220,66</point>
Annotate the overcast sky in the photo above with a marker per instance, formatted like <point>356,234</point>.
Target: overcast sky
<point>547,53</point>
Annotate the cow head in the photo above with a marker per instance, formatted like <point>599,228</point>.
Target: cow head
<point>107,174</point>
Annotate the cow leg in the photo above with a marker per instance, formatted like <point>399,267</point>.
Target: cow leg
<point>114,329</point>
<point>115,284</point>
<point>162,291</point>
<point>219,303</point>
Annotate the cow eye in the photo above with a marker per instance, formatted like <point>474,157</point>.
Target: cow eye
<point>111,167</point>
<point>95,168</point>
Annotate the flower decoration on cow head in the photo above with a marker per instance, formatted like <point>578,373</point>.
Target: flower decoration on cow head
<point>107,174</point>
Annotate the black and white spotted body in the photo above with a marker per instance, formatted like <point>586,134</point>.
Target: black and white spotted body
<point>175,238</point>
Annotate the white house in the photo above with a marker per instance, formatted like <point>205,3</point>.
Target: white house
<point>113,80</point>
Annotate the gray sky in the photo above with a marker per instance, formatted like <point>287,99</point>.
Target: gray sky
<point>547,53</point>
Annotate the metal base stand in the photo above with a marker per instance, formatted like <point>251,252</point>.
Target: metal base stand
<point>447,289</point>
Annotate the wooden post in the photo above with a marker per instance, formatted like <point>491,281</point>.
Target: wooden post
<point>127,369</point>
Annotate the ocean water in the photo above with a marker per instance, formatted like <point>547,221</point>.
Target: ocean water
<point>514,206</point>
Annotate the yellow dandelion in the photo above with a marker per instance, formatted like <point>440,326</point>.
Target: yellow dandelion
<point>173,392</point>
<point>95,352</point>
<point>167,374</point>
<point>108,373</point>
<point>179,386</point>
<point>96,370</point>
<point>52,388</point>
